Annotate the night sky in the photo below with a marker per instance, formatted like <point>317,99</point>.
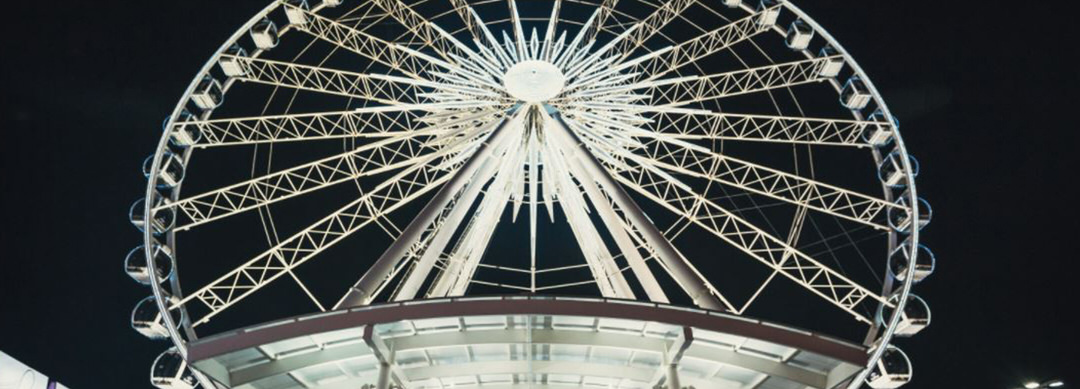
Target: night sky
<point>983,94</point>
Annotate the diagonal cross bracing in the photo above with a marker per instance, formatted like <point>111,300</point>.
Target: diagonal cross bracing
<point>688,90</point>
<point>382,89</point>
<point>373,122</point>
<point>606,8</point>
<point>693,160</point>
<point>421,28</point>
<point>373,158</point>
<point>769,182</point>
<point>670,59</point>
<point>763,128</point>
<point>652,24</point>
<point>393,55</point>
<point>260,271</point>
<point>771,251</point>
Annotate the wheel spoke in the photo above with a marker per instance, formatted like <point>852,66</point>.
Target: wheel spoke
<point>687,90</point>
<point>693,160</point>
<point>773,252</point>
<point>575,50</point>
<point>393,55</point>
<point>493,51</point>
<point>519,33</point>
<point>652,24</point>
<point>764,128</point>
<point>682,54</point>
<point>596,60</point>
<point>368,122</point>
<point>548,51</point>
<point>606,8</point>
<point>260,271</point>
<point>701,124</point>
<point>389,90</point>
<point>422,29</point>
<point>374,158</point>
<point>464,11</point>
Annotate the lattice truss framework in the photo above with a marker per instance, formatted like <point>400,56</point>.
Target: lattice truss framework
<point>629,121</point>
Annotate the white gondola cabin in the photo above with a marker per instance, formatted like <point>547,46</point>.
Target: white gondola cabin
<point>163,218</point>
<point>171,173</point>
<point>296,11</point>
<point>914,318</point>
<point>207,94</point>
<point>265,34</point>
<point>880,130</point>
<point>799,34</point>
<point>147,320</point>
<point>900,262</point>
<point>769,11</point>
<point>833,65</point>
<point>233,61</point>
<point>135,265</point>
<point>893,370</point>
<point>171,371</point>
<point>732,3</point>
<point>183,134</point>
<point>892,172</point>
<point>855,94</point>
<point>901,218</point>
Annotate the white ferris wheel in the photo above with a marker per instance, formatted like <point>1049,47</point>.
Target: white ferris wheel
<point>531,194</point>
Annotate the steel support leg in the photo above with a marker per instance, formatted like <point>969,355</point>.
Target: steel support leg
<point>363,292</point>
<point>624,243</point>
<point>673,376</point>
<point>681,271</point>
<point>438,243</point>
<point>384,377</point>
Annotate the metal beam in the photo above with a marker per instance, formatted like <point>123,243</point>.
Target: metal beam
<point>397,57</point>
<point>693,89</point>
<point>291,252</point>
<point>442,235</point>
<point>763,128</point>
<point>706,44</point>
<point>388,367</point>
<point>382,89</point>
<point>806,271</point>
<point>672,356</point>
<point>680,270</point>
<point>369,122</point>
<point>679,156</point>
<point>370,159</point>
<point>420,27</point>
<point>361,293</point>
<point>476,237</point>
<point>622,239</point>
<point>652,24</point>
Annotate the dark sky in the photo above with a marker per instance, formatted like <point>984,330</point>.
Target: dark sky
<point>983,94</point>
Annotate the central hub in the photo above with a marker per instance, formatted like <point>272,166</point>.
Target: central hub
<point>534,81</point>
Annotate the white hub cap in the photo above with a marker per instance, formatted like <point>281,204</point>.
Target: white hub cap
<point>534,81</point>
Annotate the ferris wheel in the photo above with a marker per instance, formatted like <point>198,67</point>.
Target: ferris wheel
<point>531,194</point>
